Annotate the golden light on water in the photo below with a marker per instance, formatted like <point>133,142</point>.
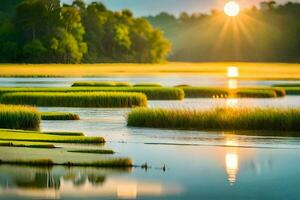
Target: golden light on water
<point>232,102</point>
<point>232,84</point>
<point>232,72</point>
<point>128,191</point>
<point>232,166</point>
<point>232,9</point>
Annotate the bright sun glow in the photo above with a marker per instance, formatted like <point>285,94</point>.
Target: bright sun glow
<point>232,72</point>
<point>232,8</point>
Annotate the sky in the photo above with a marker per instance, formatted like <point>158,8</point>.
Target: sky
<point>153,7</point>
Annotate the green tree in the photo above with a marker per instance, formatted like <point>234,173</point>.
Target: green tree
<point>34,52</point>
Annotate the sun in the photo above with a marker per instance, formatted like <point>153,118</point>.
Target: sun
<point>232,9</point>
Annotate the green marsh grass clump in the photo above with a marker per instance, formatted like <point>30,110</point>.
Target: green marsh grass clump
<point>65,133</point>
<point>152,93</point>
<point>34,136</point>
<point>19,117</point>
<point>78,99</point>
<point>210,92</point>
<point>147,85</point>
<point>101,84</point>
<point>113,162</point>
<point>93,151</point>
<point>291,90</point>
<point>27,145</point>
<point>59,116</point>
<point>284,85</point>
<point>254,93</point>
<point>269,119</point>
<point>39,162</point>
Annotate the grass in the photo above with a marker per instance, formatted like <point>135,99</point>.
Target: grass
<point>286,85</point>
<point>39,162</point>
<point>65,133</point>
<point>101,84</point>
<point>152,93</point>
<point>147,85</point>
<point>33,136</point>
<point>270,71</point>
<point>19,117</point>
<point>59,116</point>
<point>222,92</point>
<point>78,99</point>
<point>113,162</point>
<point>94,151</point>
<point>269,119</point>
<point>27,145</point>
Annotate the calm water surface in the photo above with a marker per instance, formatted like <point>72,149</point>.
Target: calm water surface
<point>200,165</point>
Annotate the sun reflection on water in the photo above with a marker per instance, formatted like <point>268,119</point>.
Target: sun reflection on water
<point>231,158</point>
<point>232,102</point>
<point>232,166</point>
<point>232,84</point>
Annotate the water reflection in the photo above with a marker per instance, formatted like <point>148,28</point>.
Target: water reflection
<point>232,166</point>
<point>232,102</point>
<point>232,84</point>
<point>62,182</point>
<point>231,158</point>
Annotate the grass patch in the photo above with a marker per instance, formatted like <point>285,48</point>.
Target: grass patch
<point>152,93</point>
<point>19,117</point>
<point>291,89</point>
<point>27,145</point>
<point>33,136</point>
<point>78,99</point>
<point>40,162</point>
<point>113,162</point>
<point>270,119</point>
<point>287,85</point>
<point>59,116</point>
<point>65,133</point>
<point>94,151</point>
<point>222,92</point>
<point>101,84</point>
<point>147,85</point>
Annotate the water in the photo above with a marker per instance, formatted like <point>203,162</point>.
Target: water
<point>196,80</point>
<point>200,165</point>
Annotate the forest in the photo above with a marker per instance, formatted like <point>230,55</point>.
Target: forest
<point>266,33</point>
<point>47,31</point>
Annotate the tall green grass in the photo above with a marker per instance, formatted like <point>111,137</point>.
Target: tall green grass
<point>112,162</point>
<point>19,117</point>
<point>27,145</point>
<point>59,116</point>
<point>93,151</point>
<point>34,136</point>
<point>209,92</point>
<point>101,84</point>
<point>152,93</point>
<point>291,89</point>
<point>286,85</point>
<point>78,99</point>
<point>271,119</point>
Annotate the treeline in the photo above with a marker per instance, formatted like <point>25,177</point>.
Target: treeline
<point>45,31</point>
<point>269,32</point>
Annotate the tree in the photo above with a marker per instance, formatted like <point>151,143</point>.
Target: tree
<point>30,16</point>
<point>66,48</point>
<point>34,51</point>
